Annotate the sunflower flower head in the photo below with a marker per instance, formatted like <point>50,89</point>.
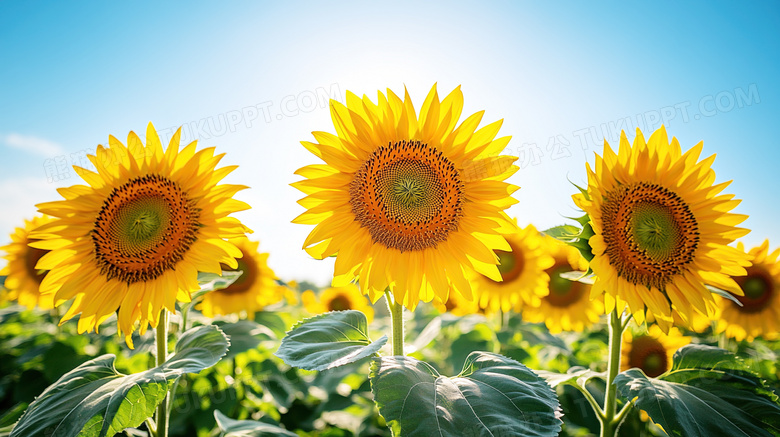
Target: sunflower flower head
<point>523,268</point>
<point>759,312</point>
<point>410,204</point>
<point>255,289</point>
<point>343,298</point>
<point>661,229</point>
<point>651,351</point>
<point>134,238</point>
<point>23,278</point>
<point>567,306</point>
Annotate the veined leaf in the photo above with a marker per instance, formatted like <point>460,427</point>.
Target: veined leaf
<point>248,428</point>
<point>708,392</point>
<point>493,395</point>
<point>96,400</point>
<point>329,340</point>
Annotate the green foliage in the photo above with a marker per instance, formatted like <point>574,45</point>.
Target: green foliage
<point>248,428</point>
<point>492,393</point>
<point>329,340</point>
<point>707,392</point>
<point>96,400</point>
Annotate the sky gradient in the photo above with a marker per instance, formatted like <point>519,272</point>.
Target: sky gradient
<point>253,79</point>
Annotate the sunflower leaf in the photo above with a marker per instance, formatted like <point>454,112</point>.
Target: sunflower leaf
<point>573,377</point>
<point>210,282</point>
<point>577,276</point>
<point>707,392</point>
<point>248,428</point>
<point>96,400</point>
<point>245,335</point>
<point>723,293</point>
<point>493,395</point>
<point>563,232</point>
<point>329,340</point>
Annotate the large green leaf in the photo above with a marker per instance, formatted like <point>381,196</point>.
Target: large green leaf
<point>245,335</point>
<point>708,392</point>
<point>248,428</point>
<point>96,400</point>
<point>329,340</point>
<point>493,395</point>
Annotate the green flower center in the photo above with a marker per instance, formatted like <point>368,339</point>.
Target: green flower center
<point>409,192</point>
<point>408,195</point>
<point>143,229</point>
<point>650,233</point>
<point>654,363</point>
<point>563,292</point>
<point>655,231</point>
<point>511,264</point>
<point>140,225</point>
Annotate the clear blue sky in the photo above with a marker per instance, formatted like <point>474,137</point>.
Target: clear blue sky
<point>249,78</point>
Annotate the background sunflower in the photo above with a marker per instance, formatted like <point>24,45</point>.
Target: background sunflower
<point>651,351</point>
<point>255,289</point>
<point>524,277</point>
<point>135,238</point>
<point>661,228</point>
<point>567,306</point>
<point>23,277</point>
<point>344,298</point>
<point>408,204</point>
<point>759,314</point>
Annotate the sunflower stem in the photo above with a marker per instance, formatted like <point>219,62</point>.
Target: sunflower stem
<point>162,354</point>
<point>609,424</point>
<point>397,319</point>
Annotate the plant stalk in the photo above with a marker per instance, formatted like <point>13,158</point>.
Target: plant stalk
<point>608,423</point>
<point>397,319</point>
<point>162,354</point>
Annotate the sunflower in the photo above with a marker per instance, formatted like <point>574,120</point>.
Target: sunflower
<point>760,310</point>
<point>524,280</point>
<point>23,278</point>
<point>255,289</point>
<point>409,204</point>
<point>344,298</point>
<point>651,351</point>
<point>567,306</point>
<point>135,238</point>
<point>661,229</point>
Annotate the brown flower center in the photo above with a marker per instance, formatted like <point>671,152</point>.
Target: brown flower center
<point>648,354</point>
<point>650,233</point>
<point>339,303</point>
<point>143,229</point>
<point>249,276</point>
<point>759,287</point>
<point>31,257</point>
<point>408,195</point>
<point>511,264</point>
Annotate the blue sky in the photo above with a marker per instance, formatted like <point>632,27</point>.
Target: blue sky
<point>250,78</point>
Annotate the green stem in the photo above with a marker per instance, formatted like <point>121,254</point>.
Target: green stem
<point>397,318</point>
<point>591,400</point>
<point>608,422</point>
<point>162,355</point>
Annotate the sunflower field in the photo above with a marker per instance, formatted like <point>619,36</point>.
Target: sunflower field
<point>141,300</point>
